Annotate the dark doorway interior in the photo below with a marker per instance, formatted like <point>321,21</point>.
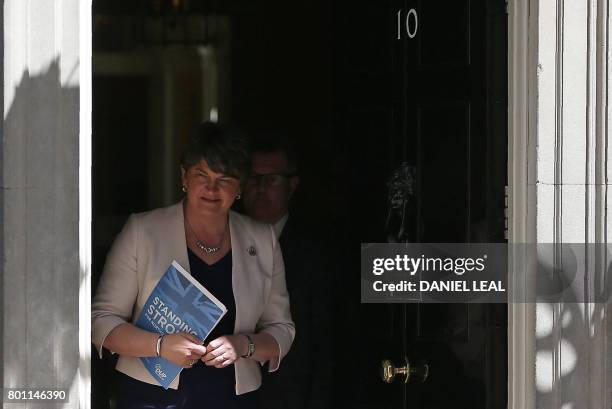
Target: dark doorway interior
<point>273,71</point>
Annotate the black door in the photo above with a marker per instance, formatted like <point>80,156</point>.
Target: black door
<point>422,100</point>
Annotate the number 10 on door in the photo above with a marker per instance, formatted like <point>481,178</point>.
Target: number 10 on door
<point>411,24</point>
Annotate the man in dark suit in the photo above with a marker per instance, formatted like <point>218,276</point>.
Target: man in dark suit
<point>303,380</point>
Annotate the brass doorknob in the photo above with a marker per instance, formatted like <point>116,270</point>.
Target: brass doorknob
<point>417,373</point>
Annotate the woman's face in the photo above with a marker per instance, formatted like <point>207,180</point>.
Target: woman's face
<point>209,192</point>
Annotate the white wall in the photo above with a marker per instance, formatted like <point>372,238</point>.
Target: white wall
<point>45,198</point>
<point>560,354</point>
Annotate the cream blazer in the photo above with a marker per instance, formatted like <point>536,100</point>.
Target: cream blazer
<point>143,251</point>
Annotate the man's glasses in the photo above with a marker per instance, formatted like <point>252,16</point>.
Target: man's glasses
<point>268,179</point>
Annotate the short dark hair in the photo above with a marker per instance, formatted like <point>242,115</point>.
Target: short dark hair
<point>223,147</point>
<point>274,141</point>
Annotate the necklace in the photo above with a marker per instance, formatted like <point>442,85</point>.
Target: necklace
<point>203,247</point>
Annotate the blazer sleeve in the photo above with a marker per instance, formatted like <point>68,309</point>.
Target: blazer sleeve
<point>276,318</point>
<point>118,288</point>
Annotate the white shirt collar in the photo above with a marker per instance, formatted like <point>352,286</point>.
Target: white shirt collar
<point>280,225</point>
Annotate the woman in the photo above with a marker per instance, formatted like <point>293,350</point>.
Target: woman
<point>238,260</point>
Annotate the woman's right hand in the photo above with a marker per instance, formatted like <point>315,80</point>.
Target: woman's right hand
<point>182,349</point>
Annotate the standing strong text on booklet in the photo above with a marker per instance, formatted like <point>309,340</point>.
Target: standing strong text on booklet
<point>178,304</point>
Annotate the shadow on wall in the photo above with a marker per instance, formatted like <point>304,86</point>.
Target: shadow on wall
<point>40,218</point>
<point>562,336</point>
<point>569,334</point>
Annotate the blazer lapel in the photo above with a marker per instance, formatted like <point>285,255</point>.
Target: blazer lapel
<point>237,269</point>
<point>247,272</point>
<point>177,245</point>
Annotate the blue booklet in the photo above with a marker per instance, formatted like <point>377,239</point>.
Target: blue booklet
<point>179,303</point>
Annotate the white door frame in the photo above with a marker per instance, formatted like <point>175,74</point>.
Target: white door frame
<point>557,136</point>
<point>521,198</point>
<point>85,200</point>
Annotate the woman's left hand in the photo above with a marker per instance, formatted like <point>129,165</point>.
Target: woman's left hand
<point>224,350</point>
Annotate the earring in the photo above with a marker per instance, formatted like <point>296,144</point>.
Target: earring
<point>184,189</point>
<point>238,196</point>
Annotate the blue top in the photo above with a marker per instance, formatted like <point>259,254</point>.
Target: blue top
<point>201,386</point>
